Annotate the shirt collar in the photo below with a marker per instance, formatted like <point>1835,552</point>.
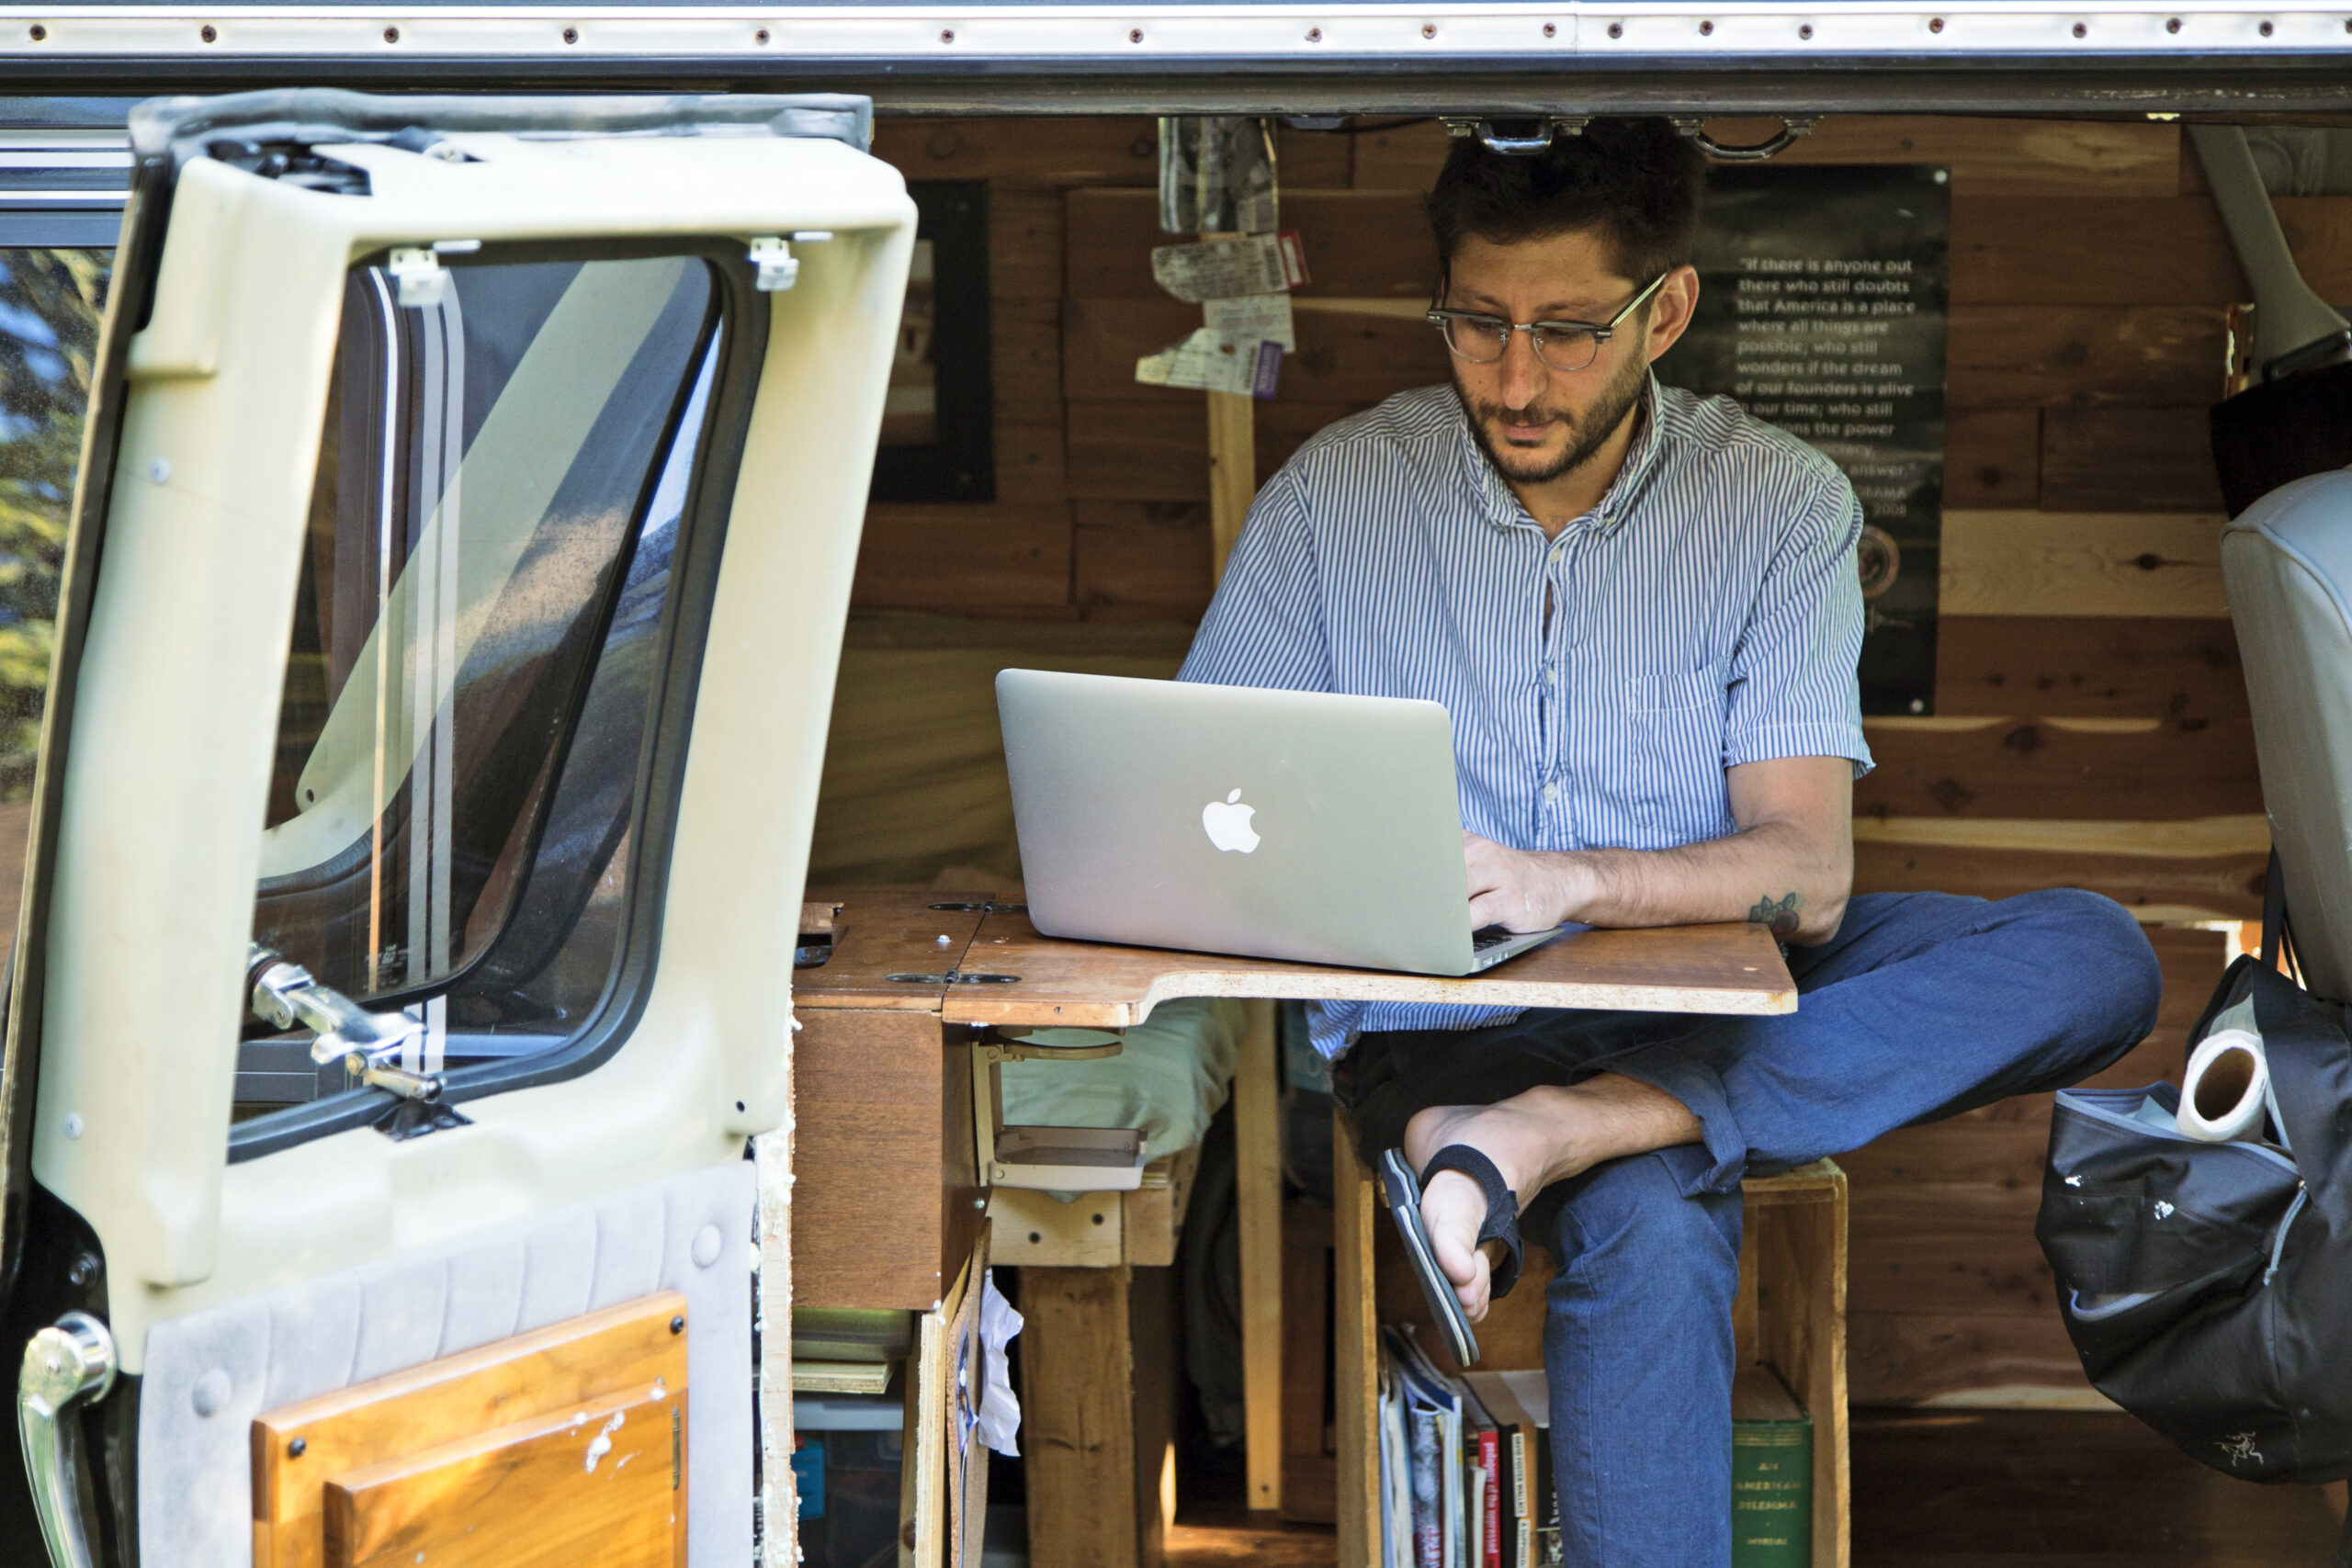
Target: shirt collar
<point>1503,510</point>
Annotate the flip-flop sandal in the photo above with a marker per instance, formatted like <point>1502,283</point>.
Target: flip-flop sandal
<point>1500,1230</point>
<point>1402,1193</point>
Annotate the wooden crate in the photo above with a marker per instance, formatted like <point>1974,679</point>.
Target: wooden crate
<point>1790,1313</point>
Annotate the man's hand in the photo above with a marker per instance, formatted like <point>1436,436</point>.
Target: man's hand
<point>1789,865</point>
<point>1519,889</point>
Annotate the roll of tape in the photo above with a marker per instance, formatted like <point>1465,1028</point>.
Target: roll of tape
<point>2226,1092</point>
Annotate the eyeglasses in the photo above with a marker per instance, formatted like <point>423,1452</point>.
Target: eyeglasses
<point>1481,338</point>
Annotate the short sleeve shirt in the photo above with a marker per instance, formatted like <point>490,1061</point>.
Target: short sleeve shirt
<point>1706,613</point>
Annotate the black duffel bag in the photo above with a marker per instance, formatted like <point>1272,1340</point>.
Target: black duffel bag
<point>2207,1286</point>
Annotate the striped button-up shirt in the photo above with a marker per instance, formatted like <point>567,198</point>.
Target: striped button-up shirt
<point>1705,613</point>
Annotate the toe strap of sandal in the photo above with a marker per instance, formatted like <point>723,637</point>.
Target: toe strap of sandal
<point>1501,1223</point>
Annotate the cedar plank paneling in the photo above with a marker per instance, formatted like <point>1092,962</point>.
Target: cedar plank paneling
<point>2065,1489</point>
<point>1010,558</point>
<point>2149,251</point>
<point>2226,886</point>
<point>1026,349</point>
<point>1045,150</point>
<point>1993,457</point>
<point>2044,563</point>
<point>1987,157</point>
<point>2109,666</point>
<point>1909,1358</point>
<point>1024,242</point>
<point>1142,561</point>
<point>2018,356</point>
<point>2156,768</point>
<point>1310,160</point>
<point>1122,449</point>
<point>1946,1246</point>
<point>2141,459</point>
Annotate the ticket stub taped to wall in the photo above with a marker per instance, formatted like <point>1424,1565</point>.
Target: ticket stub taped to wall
<point>1219,269</point>
<point>1266,316</point>
<point>1212,362</point>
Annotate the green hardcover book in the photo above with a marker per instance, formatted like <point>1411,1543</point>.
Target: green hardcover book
<point>1772,1473</point>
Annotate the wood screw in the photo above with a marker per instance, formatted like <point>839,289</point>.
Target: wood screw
<point>2174,26</point>
<point>947,36</point>
<point>2082,30</point>
<point>1135,35</point>
<point>1706,29</point>
<point>571,35</point>
<point>1552,31</point>
<point>297,1448</point>
<point>1314,35</point>
<point>391,35</point>
<point>1428,29</point>
<point>206,33</point>
<point>1616,30</point>
<point>678,1325</point>
<point>1935,24</point>
<point>761,36</point>
<point>1805,32</point>
<point>2263,29</point>
<point>41,32</point>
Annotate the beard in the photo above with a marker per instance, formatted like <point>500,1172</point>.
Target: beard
<point>1588,430</point>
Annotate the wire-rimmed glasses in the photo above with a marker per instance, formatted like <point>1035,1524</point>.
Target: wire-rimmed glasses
<point>1480,337</point>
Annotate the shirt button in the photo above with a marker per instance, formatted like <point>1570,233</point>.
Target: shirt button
<point>1551,793</point>
<point>1552,676</point>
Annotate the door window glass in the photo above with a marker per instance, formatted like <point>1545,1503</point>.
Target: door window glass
<point>501,480</point>
<point>51,302</point>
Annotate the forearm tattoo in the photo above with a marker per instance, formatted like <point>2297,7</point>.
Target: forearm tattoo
<point>1780,914</point>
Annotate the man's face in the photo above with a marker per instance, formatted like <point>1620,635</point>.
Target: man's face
<point>1537,423</point>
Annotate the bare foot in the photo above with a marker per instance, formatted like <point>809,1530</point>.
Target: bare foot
<point>1522,1136</point>
<point>1547,1135</point>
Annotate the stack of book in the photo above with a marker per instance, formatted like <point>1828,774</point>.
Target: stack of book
<point>1466,1468</point>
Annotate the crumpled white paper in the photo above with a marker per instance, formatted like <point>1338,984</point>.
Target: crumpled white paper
<point>999,1418</point>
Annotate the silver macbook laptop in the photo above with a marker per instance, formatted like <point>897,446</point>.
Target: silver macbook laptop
<point>1229,820</point>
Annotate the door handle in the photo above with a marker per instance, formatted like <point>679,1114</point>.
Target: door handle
<point>62,1363</point>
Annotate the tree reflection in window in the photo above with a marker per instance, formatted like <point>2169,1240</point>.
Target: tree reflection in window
<point>50,302</point>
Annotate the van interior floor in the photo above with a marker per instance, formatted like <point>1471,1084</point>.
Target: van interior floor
<point>1965,1489</point>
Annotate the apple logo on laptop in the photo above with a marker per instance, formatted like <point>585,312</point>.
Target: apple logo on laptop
<point>1227,822</point>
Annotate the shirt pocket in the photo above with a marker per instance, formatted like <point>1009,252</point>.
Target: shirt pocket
<point>1647,758</point>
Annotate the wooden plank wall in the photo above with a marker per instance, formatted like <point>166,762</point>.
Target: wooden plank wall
<point>2090,726</point>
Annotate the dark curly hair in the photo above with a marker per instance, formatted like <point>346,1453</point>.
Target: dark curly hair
<point>1636,180</point>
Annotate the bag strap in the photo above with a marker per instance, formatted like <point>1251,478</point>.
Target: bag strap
<point>2274,912</point>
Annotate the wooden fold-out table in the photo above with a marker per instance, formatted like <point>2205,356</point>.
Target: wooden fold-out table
<point>888,1205</point>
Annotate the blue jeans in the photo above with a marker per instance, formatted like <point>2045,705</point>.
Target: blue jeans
<point>1923,1006</point>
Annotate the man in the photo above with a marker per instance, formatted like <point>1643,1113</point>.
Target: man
<point>1641,609</point>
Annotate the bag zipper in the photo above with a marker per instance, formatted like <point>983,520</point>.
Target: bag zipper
<point>2279,1242</point>
<point>2084,1108</point>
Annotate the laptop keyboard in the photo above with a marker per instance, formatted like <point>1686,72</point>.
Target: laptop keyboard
<point>1488,938</point>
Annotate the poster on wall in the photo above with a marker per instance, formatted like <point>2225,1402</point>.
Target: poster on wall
<point>1824,296</point>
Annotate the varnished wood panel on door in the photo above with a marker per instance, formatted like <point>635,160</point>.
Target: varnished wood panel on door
<point>602,1486</point>
<point>601,1362</point>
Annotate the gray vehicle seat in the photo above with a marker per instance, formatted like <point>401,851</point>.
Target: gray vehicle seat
<point>2287,563</point>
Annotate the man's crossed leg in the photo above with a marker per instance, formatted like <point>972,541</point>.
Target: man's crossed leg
<point>1625,1136</point>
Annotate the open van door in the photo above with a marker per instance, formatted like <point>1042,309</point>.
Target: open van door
<point>403,968</point>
